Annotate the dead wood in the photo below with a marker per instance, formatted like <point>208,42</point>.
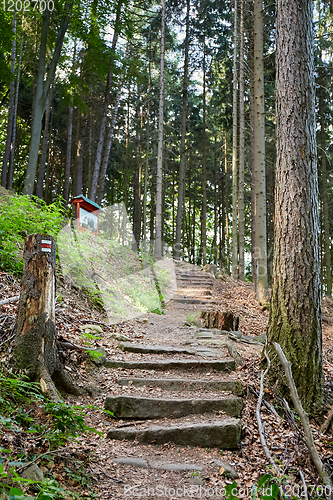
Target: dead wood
<point>303,416</point>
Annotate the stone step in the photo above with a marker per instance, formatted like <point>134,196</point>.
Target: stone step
<point>222,434</point>
<point>175,384</point>
<point>155,408</point>
<point>154,349</point>
<point>193,301</point>
<point>220,365</point>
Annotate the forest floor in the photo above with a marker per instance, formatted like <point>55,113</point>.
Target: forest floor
<point>88,464</point>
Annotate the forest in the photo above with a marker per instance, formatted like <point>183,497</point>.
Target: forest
<point>208,125</point>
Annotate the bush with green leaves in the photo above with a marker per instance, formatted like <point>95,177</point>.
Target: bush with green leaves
<point>20,216</point>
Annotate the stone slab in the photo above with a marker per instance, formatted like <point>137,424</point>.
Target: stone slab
<point>155,408</point>
<point>132,461</point>
<point>222,434</point>
<point>154,349</point>
<point>220,365</point>
<point>175,467</point>
<point>233,386</point>
<point>194,301</point>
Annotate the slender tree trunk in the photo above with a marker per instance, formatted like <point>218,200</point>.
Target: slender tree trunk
<point>215,204</point>
<point>251,119</point>
<point>41,174</point>
<point>8,145</point>
<point>182,167</point>
<point>325,185</point>
<point>100,192</point>
<point>17,88</point>
<point>204,166</point>
<point>79,155</point>
<point>145,182</point>
<point>108,88</point>
<point>234,154</point>
<point>68,153</point>
<point>42,91</point>
<point>241,146</point>
<point>295,313</point>
<point>259,155</point>
<point>158,223</point>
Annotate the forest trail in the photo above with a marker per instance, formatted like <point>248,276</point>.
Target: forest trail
<point>176,397</point>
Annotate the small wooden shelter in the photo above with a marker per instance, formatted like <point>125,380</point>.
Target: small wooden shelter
<point>87,214</point>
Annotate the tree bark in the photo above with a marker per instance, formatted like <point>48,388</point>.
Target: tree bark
<point>158,220</point>
<point>295,318</point>
<point>234,154</point>
<point>182,166</point>
<point>8,144</point>
<point>259,156</point>
<point>35,351</point>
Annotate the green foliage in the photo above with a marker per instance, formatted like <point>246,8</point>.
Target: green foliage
<point>20,216</point>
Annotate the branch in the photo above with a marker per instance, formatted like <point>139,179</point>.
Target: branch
<point>11,299</point>
<point>302,415</point>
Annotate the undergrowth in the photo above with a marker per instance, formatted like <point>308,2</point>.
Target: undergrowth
<point>24,415</point>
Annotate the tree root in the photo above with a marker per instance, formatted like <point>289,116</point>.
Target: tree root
<point>58,379</point>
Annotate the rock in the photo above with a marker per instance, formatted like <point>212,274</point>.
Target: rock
<point>261,338</point>
<point>175,467</point>
<point>153,408</point>
<point>228,471</point>
<point>33,473</point>
<point>132,461</point>
<point>222,434</point>
<point>237,335</point>
<point>98,356</point>
<point>91,328</point>
<point>120,337</point>
<point>196,479</point>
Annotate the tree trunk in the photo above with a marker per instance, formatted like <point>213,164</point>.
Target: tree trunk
<point>241,147</point>
<point>259,155</point>
<point>158,221</point>
<point>8,145</point>
<point>42,91</point>
<point>234,154</point>
<point>204,166</point>
<point>325,185</point>
<point>108,88</point>
<point>251,120</point>
<point>41,174</point>
<point>79,155</point>
<point>35,351</point>
<point>102,173</point>
<point>181,187</point>
<point>17,88</point>
<point>295,318</point>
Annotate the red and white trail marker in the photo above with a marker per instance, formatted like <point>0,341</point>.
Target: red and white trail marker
<point>46,245</point>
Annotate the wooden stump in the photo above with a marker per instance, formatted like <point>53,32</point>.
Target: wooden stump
<point>35,349</point>
<point>220,320</point>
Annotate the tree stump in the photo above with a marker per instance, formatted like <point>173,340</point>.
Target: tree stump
<point>220,320</point>
<point>35,350</point>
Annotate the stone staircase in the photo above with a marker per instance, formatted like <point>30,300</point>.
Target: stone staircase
<point>184,391</point>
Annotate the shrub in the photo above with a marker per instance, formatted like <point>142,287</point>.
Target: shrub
<point>20,216</point>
